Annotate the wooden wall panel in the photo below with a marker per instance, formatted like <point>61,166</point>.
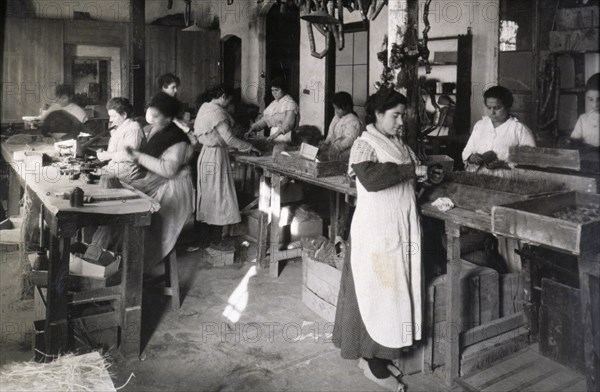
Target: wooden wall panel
<point>161,56</point>
<point>32,66</point>
<point>198,56</point>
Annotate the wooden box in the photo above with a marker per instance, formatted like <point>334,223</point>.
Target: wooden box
<point>320,287</point>
<point>291,161</point>
<point>479,293</point>
<point>545,157</point>
<point>473,197</point>
<point>533,220</point>
<point>561,332</point>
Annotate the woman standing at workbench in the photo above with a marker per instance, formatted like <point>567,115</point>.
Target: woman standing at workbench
<point>217,203</point>
<point>282,115</point>
<point>379,306</point>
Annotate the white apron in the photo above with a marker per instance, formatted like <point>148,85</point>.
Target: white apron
<point>386,253</point>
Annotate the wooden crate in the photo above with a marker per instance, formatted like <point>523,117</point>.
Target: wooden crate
<point>479,293</point>
<point>545,157</point>
<point>472,197</point>
<point>561,332</point>
<point>532,220</point>
<point>292,162</point>
<point>320,287</point>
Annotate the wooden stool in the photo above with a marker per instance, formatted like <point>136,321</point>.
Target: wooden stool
<point>172,279</point>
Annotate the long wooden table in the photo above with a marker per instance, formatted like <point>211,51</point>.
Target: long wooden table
<point>43,184</point>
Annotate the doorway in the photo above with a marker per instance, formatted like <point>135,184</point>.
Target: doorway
<point>282,55</point>
<point>232,61</point>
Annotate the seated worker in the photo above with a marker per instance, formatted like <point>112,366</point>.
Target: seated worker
<point>169,84</point>
<point>282,115</point>
<point>125,133</point>
<point>344,129</point>
<point>586,129</point>
<point>487,150</point>
<point>64,95</point>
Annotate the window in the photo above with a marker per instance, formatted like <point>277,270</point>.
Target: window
<point>352,69</point>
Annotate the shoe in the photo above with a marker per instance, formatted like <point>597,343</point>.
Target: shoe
<point>390,383</point>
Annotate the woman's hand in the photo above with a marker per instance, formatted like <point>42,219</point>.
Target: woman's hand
<point>132,154</point>
<point>256,151</point>
<point>476,159</point>
<point>421,171</point>
<point>102,155</point>
<point>184,127</point>
<point>436,174</point>
<point>274,136</point>
<point>249,134</point>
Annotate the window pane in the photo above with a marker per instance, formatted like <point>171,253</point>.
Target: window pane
<point>344,56</point>
<point>517,23</point>
<point>360,87</point>
<point>343,78</point>
<point>361,47</point>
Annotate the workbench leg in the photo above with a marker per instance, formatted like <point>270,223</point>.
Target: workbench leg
<point>131,308</point>
<point>334,215</point>
<point>14,194</point>
<point>275,232</point>
<point>589,284</point>
<point>453,304</point>
<point>264,205</point>
<point>57,331</point>
<point>531,294</point>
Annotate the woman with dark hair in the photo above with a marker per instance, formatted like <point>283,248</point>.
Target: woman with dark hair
<point>586,128</point>
<point>169,84</point>
<point>344,129</point>
<point>217,203</point>
<point>379,305</point>
<point>487,150</point>
<point>165,176</point>
<point>282,116</point>
<point>125,132</point>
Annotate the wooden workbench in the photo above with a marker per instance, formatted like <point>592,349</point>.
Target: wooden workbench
<point>270,206</point>
<point>63,221</point>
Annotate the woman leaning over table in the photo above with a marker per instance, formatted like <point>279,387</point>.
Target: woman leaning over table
<point>217,203</point>
<point>165,176</point>
<point>380,301</point>
<point>126,132</point>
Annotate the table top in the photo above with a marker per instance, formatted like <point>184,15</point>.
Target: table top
<point>460,216</point>
<point>335,183</point>
<point>49,185</point>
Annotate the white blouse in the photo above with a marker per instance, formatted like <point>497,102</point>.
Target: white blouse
<point>487,138</point>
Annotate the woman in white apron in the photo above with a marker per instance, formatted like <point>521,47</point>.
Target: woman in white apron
<point>379,306</point>
<point>217,203</point>
<point>282,116</point>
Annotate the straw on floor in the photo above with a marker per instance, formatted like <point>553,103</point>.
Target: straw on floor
<point>88,372</point>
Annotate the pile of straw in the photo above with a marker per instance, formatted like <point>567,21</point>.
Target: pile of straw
<point>87,372</point>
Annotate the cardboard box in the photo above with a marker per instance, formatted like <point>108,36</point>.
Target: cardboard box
<point>93,263</point>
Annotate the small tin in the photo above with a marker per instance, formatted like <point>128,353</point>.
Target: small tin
<point>76,198</point>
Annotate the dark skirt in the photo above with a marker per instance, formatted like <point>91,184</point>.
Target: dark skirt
<point>349,332</point>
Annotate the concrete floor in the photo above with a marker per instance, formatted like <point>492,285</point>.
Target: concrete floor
<point>237,330</point>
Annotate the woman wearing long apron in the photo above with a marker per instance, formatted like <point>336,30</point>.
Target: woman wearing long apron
<point>379,306</point>
<point>217,203</point>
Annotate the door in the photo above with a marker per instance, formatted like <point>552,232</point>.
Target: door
<point>198,57</point>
